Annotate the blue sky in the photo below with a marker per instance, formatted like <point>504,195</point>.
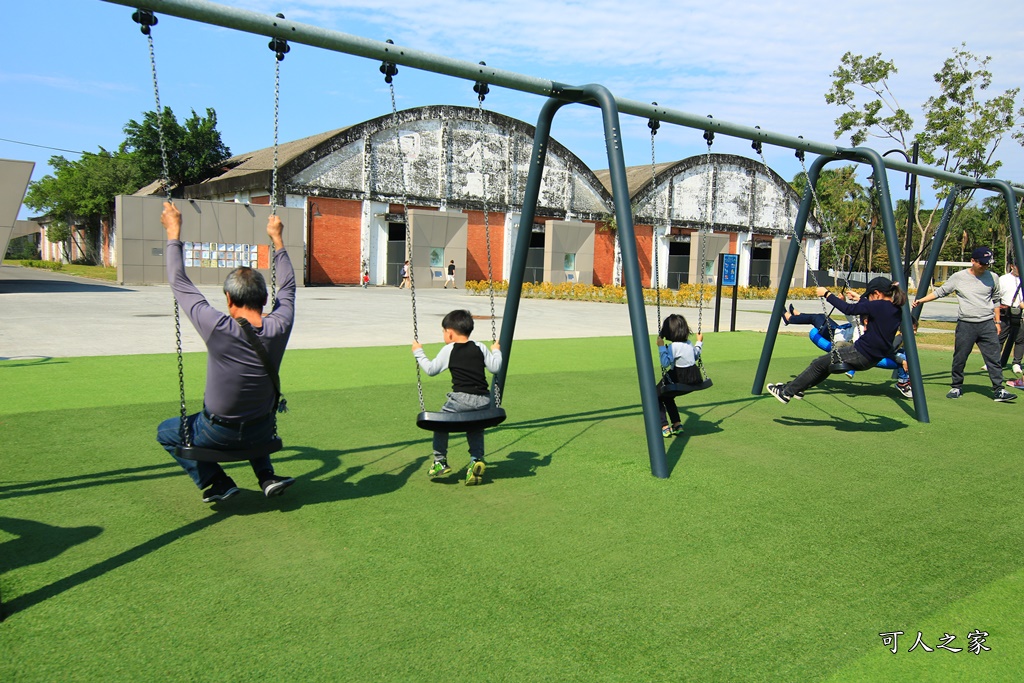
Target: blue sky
<point>75,71</point>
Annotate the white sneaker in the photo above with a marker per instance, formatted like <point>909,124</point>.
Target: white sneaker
<point>1016,369</point>
<point>984,367</point>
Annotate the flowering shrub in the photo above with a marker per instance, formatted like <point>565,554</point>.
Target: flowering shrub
<point>686,295</point>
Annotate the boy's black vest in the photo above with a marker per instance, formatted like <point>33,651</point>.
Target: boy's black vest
<point>467,367</point>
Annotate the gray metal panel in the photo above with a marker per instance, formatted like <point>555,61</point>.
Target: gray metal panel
<point>202,221</point>
<point>132,275</point>
<point>131,252</point>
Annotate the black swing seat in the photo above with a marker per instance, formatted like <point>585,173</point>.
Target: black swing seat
<point>840,368</point>
<point>213,455</point>
<point>672,390</point>
<point>469,421</point>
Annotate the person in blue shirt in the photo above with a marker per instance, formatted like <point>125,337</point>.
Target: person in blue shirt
<point>880,305</point>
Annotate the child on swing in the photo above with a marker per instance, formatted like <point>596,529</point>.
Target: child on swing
<point>466,360</point>
<point>680,357</point>
<point>880,305</point>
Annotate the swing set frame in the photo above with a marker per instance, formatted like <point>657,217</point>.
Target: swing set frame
<point>559,95</point>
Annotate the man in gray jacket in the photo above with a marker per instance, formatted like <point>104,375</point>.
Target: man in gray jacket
<point>977,320</point>
<point>240,396</point>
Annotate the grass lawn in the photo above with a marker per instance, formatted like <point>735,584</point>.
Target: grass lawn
<point>108,273</point>
<point>785,541</point>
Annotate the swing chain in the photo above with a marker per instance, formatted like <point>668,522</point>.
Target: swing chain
<point>279,47</point>
<point>707,227</point>
<point>487,226</point>
<point>654,125</point>
<point>389,70</point>
<point>828,238</point>
<point>147,20</point>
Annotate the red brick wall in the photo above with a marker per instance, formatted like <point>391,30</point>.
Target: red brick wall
<point>476,245</point>
<point>644,240</point>
<point>604,256</point>
<point>334,239</point>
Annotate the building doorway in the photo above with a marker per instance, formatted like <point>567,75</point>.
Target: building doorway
<point>678,264</point>
<point>535,258</point>
<point>396,253</point>
<point>761,264</point>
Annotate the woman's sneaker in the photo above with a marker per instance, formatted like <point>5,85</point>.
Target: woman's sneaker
<point>779,392</point>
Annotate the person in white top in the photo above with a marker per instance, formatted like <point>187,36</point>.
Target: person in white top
<point>1011,336</point>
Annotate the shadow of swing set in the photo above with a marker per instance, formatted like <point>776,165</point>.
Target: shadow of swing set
<point>559,95</point>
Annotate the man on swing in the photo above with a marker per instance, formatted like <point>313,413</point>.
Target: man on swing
<point>240,397</point>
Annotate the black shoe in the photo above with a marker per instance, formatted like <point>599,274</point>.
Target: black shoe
<point>275,485</point>
<point>220,490</point>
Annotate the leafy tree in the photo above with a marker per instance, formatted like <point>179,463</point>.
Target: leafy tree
<point>961,133</point>
<point>843,209</point>
<point>82,192</point>
<point>194,148</point>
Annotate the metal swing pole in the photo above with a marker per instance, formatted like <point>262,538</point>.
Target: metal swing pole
<point>599,95</point>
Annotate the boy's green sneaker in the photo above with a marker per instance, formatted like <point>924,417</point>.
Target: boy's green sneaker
<point>475,473</point>
<point>438,468</point>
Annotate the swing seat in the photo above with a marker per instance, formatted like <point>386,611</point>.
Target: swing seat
<point>672,390</point>
<point>469,421</point>
<point>840,368</point>
<point>212,455</point>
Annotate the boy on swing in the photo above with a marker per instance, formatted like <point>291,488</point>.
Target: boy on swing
<point>466,360</point>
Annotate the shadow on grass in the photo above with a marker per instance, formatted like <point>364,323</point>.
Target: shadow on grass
<point>333,488</point>
<point>37,542</point>
<point>121,476</point>
<point>693,425</point>
<point>26,361</point>
<point>23,602</point>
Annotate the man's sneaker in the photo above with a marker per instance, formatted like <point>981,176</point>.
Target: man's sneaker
<point>220,490</point>
<point>1016,383</point>
<point>666,431</point>
<point>779,392</point>
<point>677,430</point>
<point>438,468</point>
<point>275,485</point>
<point>1016,369</point>
<point>475,473</point>
<point>1002,396</point>
<point>904,388</point>
<point>798,396</point>
<point>954,393</point>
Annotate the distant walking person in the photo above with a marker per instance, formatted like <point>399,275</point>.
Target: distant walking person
<point>450,276</point>
<point>404,274</point>
<point>978,321</point>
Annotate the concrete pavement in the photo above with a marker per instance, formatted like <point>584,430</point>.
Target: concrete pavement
<point>55,315</point>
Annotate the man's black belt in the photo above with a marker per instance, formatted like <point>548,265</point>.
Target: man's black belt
<point>233,424</point>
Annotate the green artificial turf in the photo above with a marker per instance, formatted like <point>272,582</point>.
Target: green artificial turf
<point>786,539</point>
